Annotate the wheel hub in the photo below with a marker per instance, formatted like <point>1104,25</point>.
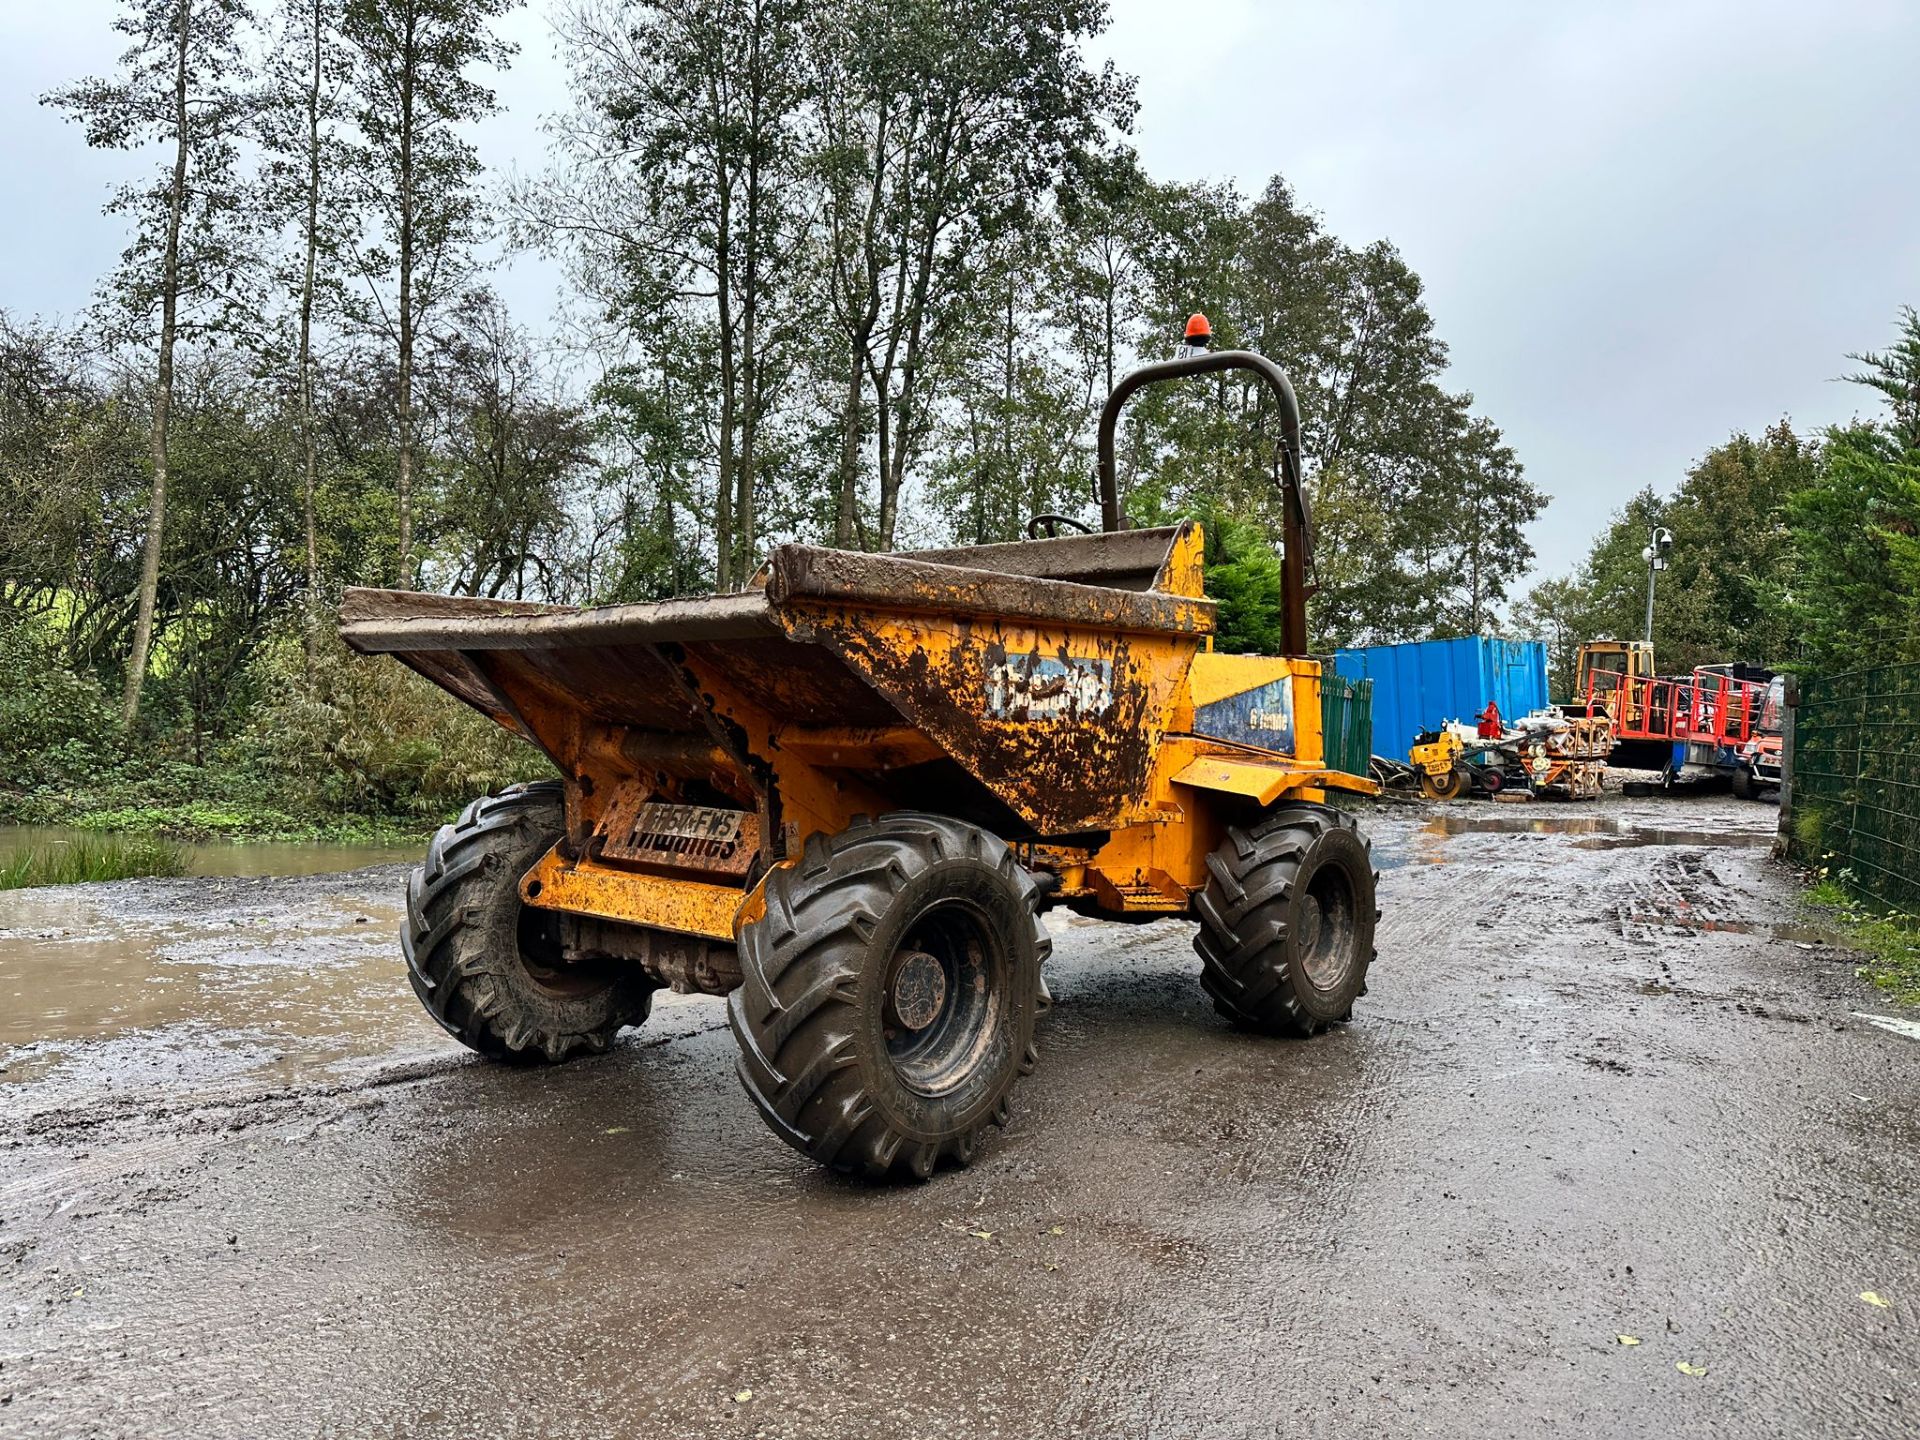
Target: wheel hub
<point>919,990</point>
<point>1310,923</point>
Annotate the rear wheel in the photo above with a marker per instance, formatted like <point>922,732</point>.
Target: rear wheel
<point>488,967</point>
<point>889,995</point>
<point>1287,921</point>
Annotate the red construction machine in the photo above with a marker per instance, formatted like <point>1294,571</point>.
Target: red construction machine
<point>1712,724</point>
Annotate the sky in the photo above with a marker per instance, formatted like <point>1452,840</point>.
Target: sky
<point>1642,226</point>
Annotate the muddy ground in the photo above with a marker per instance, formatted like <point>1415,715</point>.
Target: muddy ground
<point>1606,1084</point>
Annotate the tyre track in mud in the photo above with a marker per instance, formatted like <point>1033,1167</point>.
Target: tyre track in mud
<point>1560,991</point>
<point>1279,1179</point>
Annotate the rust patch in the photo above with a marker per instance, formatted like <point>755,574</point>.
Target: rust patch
<point>1061,723</point>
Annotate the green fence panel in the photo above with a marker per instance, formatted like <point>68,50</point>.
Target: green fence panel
<point>1346,722</point>
<point>1856,780</point>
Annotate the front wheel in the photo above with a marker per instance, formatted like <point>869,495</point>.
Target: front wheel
<point>1445,786</point>
<point>490,968</point>
<point>889,994</point>
<point>1287,921</point>
<point>1742,783</point>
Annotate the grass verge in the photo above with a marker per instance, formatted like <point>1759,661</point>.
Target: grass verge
<point>1891,941</point>
<point>82,861</point>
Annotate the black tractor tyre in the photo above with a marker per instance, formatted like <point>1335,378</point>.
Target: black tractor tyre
<point>1742,783</point>
<point>1287,921</point>
<point>486,965</point>
<point>890,994</point>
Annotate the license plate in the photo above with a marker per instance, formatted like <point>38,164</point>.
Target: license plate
<point>684,837</point>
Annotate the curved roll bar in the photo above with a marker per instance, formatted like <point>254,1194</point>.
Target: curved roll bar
<point>1297,534</point>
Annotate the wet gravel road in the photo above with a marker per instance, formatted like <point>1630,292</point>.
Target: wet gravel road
<point>1605,1086</point>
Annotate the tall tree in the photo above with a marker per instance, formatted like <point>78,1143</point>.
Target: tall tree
<point>516,454</point>
<point>1107,218</point>
<point>182,86</point>
<point>1468,518</point>
<point>1421,505</point>
<point>1856,526</point>
<point>1895,374</point>
<point>677,194</point>
<point>306,76</point>
<point>1010,439</point>
<point>414,88</point>
<point>940,119</point>
<point>1557,612</point>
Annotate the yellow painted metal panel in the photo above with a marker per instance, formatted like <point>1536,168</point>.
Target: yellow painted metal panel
<point>1260,783</point>
<point>686,907</point>
<point>1266,781</point>
<point>1215,676</point>
<point>1309,735</point>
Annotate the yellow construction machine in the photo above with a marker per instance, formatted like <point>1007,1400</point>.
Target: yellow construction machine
<point>1435,757</point>
<point>843,796</point>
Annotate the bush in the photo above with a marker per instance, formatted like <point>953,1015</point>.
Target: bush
<point>1243,576</point>
<point>338,732</point>
<point>53,723</point>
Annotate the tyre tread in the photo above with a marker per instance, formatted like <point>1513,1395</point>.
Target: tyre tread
<point>794,1015</point>
<point>459,986</point>
<point>1243,918</point>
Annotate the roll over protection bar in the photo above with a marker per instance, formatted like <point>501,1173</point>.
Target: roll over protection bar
<point>1297,522</point>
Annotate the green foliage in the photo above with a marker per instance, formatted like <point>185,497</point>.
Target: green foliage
<point>51,719</point>
<point>1243,577</point>
<point>1856,534</point>
<point>85,861</point>
<point>1809,824</point>
<point>1891,941</point>
<point>333,733</point>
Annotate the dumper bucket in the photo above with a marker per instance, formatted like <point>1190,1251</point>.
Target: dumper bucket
<point>1023,685</point>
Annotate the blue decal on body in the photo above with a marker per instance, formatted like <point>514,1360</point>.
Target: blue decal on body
<point>1261,716</point>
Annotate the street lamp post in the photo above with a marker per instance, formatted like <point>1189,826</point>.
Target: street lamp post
<point>1659,542</point>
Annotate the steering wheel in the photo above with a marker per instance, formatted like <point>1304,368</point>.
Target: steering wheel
<point>1051,524</point>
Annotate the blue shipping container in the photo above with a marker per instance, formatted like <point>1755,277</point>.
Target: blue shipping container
<point>1421,685</point>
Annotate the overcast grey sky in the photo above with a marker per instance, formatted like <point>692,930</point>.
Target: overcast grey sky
<point>1642,226</point>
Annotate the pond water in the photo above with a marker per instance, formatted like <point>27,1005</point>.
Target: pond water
<point>228,857</point>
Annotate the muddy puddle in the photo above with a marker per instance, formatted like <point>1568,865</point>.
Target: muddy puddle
<point>1598,832</point>
<point>226,857</point>
<point>163,984</point>
<point>1805,936</point>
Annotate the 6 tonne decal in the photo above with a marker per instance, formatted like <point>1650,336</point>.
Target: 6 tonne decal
<point>1037,687</point>
<point>1261,716</point>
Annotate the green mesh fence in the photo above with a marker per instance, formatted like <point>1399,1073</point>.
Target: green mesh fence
<point>1856,780</point>
<point>1346,722</point>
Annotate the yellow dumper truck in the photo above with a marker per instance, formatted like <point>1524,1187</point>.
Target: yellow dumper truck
<point>842,797</point>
